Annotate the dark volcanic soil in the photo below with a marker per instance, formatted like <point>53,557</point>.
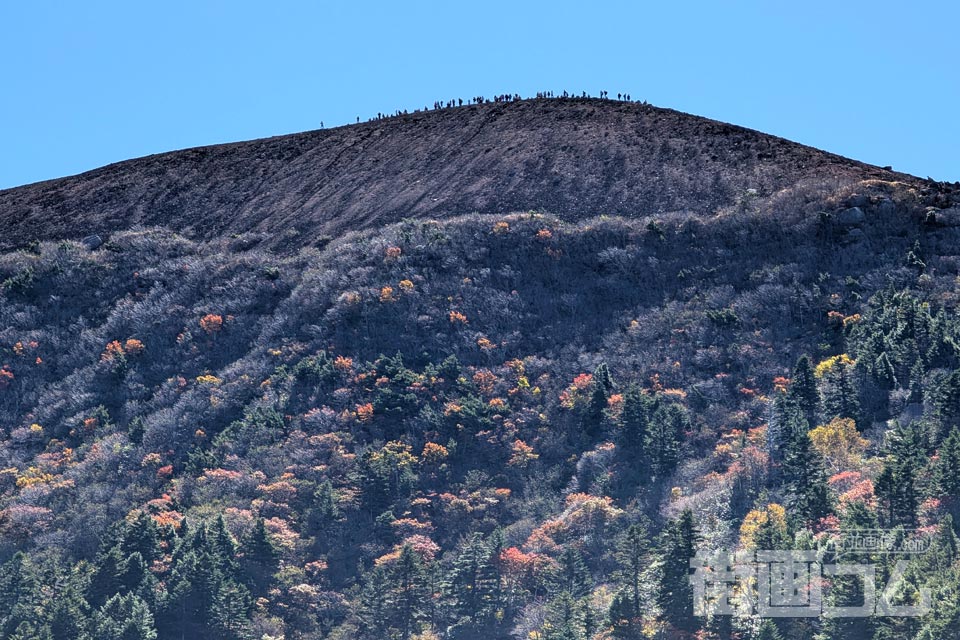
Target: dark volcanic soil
<point>574,158</point>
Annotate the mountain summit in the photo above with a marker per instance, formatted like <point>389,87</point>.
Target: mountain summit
<point>573,158</point>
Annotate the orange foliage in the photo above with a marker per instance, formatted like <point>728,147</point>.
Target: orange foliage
<point>133,346</point>
<point>211,323</point>
<point>6,377</point>
<point>434,453</point>
<point>343,363</point>
<point>113,350</point>
<point>780,384</point>
<point>365,412</point>
<point>386,294</point>
<point>457,318</point>
<point>485,381</point>
<point>522,454</point>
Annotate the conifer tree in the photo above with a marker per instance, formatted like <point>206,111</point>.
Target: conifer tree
<point>124,617</point>
<point>674,590</point>
<point>803,474</point>
<point>803,390</point>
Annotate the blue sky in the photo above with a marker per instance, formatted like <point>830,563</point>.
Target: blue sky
<point>83,84</point>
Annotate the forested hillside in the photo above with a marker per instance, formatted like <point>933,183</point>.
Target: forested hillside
<point>486,426</point>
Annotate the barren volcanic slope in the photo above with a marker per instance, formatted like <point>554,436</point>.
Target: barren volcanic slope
<point>574,158</point>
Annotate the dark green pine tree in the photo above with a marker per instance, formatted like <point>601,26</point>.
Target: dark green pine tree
<point>323,515</point>
<point>803,390</point>
<point>20,597</point>
<point>768,631</point>
<point>946,472</point>
<point>803,475</point>
<point>945,398</point>
<point>573,575</point>
<point>848,590</point>
<point>674,591</point>
<point>409,595</point>
<point>141,536</point>
<point>592,419</point>
<point>124,617</point>
<point>564,619</point>
<point>665,437</point>
<point>473,587</point>
<point>633,556</point>
<point>634,422</point>
<point>260,559</point>
<point>896,487</point>
<point>375,611</point>
<point>624,625</point>
<point>840,394</point>
<point>230,611</point>
<point>224,548</point>
<point>68,614</point>
<point>106,580</point>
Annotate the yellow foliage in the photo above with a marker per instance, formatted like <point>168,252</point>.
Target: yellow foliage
<point>831,363</point>
<point>774,514</point>
<point>839,443</point>
<point>32,476</point>
<point>208,379</point>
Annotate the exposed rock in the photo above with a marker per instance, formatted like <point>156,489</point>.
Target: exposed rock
<point>92,242</point>
<point>851,216</point>
<point>948,217</point>
<point>858,200</point>
<point>885,207</point>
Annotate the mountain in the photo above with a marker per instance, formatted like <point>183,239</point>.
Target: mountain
<point>573,158</point>
<point>288,394</point>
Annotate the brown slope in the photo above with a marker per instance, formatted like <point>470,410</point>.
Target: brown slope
<point>573,158</point>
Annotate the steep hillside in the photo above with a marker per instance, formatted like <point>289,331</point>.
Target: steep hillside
<point>573,158</point>
<point>487,425</point>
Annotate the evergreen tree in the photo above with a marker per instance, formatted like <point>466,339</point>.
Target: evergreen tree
<point>633,556</point>
<point>840,394</point>
<point>803,474</point>
<point>474,585</point>
<point>409,596</point>
<point>230,611</point>
<point>896,487</point>
<point>20,599</point>
<point>634,422</point>
<point>563,619</point>
<point>593,415</point>
<point>124,617</point>
<point>803,390</point>
<point>573,575</point>
<point>664,438</point>
<point>946,474</point>
<point>141,536</point>
<point>768,631</point>
<point>260,559</point>
<point>674,591</point>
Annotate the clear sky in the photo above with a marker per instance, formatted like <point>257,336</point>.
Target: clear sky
<point>83,84</point>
